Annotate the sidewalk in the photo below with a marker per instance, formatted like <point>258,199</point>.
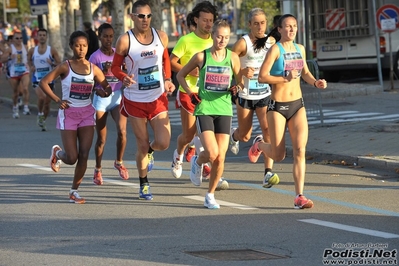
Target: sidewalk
<point>370,143</point>
<point>362,144</point>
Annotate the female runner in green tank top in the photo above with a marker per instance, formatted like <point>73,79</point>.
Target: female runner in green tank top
<point>214,106</point>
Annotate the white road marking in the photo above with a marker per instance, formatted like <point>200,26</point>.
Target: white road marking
<point>350,228</point>
<point>223,203</point>
<point>48,169</point>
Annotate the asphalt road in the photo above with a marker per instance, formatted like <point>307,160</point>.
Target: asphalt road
<point>355,211</point>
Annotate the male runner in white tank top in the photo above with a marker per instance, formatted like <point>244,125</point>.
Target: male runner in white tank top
<point>255,96</point>
<point>147,82</point>
<point>41,60</point>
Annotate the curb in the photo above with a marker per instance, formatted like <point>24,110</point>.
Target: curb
<point>372,162</point>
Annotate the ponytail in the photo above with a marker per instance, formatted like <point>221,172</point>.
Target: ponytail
<point>260,43</point>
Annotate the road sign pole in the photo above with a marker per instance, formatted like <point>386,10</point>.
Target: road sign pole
<point>391,73</point>
<point>377,47</point>
<point>40,21</point>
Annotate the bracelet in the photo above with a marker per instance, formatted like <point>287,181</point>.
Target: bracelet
<point>169,79</point>
<point>314,84</point>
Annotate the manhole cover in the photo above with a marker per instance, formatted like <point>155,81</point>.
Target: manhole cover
<point>235,254</point>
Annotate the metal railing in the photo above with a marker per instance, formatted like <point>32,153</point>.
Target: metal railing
<point>312,99</point>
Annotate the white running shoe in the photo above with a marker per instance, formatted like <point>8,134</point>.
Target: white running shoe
<point>15,112</point>
<point>234,146</point>
<point>210,202</point>
<point>222,184</point>
<point>196,172</point>
<point>26,110</point>
<point>177,165</point>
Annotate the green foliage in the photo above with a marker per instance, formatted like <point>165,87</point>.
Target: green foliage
<point>23,7</point>
<point>23,12</point>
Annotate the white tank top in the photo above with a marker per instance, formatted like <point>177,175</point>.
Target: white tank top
<point>40,62</point>
<point>77,88</point>
<point>253,90</point>
<point>145,62</point>
<point>18,65</point>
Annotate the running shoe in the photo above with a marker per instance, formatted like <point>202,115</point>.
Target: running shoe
<point>44,128</point>
<point>145,192</point>
<point>26,110</point>
<point>41,122</point>
<point>19,102</point>
<point>254,152</point>
<point>15,112</point>
<point>210,202</point>
<point>189,153</point>
<point>75,198</point>
<point>98,177</point>
<point>123,173</point>
<point>270,180</point>
<point>177,167</point>
<point>301,202</point>
<point>222,184</point>
<point>206,171</point>
<point>54,161</point>
<point>150,161</point>
<point>196,172</point>
<point>234,146</point>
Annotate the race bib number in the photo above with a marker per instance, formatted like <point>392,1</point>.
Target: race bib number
<point>81,88</point>
<point>254,87</point>
<point>19,69</point>
<point>293,61</point>
<point>217,78</point>
<point>149,78</point>
<point>41,72</point>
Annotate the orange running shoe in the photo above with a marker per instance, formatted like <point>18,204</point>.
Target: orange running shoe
<point>75,198</point>
<point>98,177</point>
<point>54,161</point>
<point>301,202</point>
<point>206,171</point>
<point>254,152</point>
<point>123,173</point>
<point>189,153</point>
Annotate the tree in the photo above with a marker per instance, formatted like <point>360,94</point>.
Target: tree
<point>117,9</point>
<point>53,26</point>
<point>85,7</point>
<point>156,10</point>
<point>71,6</point>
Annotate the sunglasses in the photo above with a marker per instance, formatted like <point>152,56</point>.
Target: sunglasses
<point>18,38</point>
<point>142,16</point>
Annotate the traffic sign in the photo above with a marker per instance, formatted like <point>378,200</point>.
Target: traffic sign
<point>38,7</point>
<point>387,12</point>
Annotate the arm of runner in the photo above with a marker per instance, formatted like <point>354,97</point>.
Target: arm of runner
<point>59,71</point>
<point>240,48</point>
<point>308,76</point>
<point>235,62</point>
<point>195,62</point>
<point>100,79</point>
<point>121,50</point>
<point>30,62</point>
